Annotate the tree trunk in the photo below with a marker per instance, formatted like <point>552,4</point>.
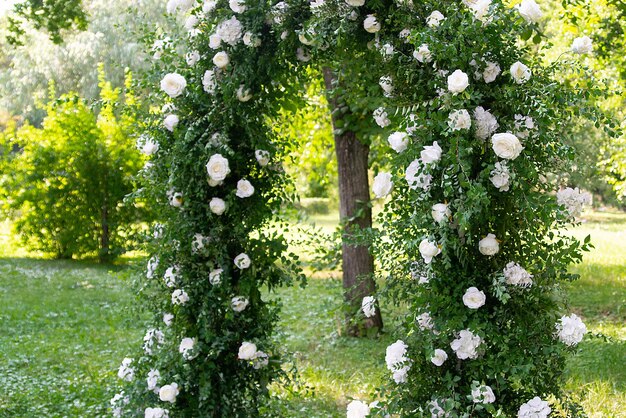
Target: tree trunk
<point>355,212</point>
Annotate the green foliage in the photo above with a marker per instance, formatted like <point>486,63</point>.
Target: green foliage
<point>64,183</point>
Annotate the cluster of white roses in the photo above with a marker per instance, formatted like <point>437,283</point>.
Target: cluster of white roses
<point>397,361</point>
<point>574,200</point>
<point>248,352</point>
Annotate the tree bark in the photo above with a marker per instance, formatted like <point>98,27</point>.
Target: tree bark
<point>355,213</point>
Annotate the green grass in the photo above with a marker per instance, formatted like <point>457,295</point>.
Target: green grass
<point>65,326</point>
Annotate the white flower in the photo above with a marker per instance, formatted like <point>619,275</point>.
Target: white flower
<point>279,11</point>
<point>500,176</point>
<point>357,409</point>
<point>237,6</point>
<point>302,56</point>
<point>474,298</point>
<point>355,3</point>
<point>387,50</point>
<point>217,168</point>
<point>440,212</point>
<point>221,59</point>
<point>217,206</point>
<point>243,94</point>
<point>404,35</point>
<point>370,24</point>
<point>209,84</point>
<point>251,40</point>
<point>179,297</point>
<point>230,31</point>
<point>425,321</point>
<point>397,361</point>
<point>439,357</point>
<point>197,244</point>
<point>239,303</point>
<point>192,58</point>
<point>465,346</point>
<point>153,264</point>
<point>153,337</point>
<point>215,277</point>
<point>148,146</point>
<point>457,82</point>
<point>431,153</point>
<point>156,413</point>
<point>215,41</point>
<point>489,245</point>
<point>262,157</point>
<point>176,199</point>
<point>416,180</point>
<point>520,72</point>
<point>516,275</point>
<point>582,45</point>
<point>168,393</point>
<point>125,372</point>
<point>428,250</point>
<point>153,379</point>
<point>368,306</point>
<point>381,117</point>
<point>480,10</point>
<point>171,276</point>
<point>570,330</point>
<point>534,408</point>
<point>459,119</point>
<point>260,360</point>
<point>170,122</point>
<point>486,123</point>
<point>244,189</point>
<point>491,71</point>
<point>242,261</point>
<point>246,351</point>
<point>186,348</point>
<point>398,141</point>
<point>530,11</point>
<point>191,22</point>
<point>382,185</point>
<point>435,410</point>
<point>483,394</point>
<point>386,83</point>
<point>423,54</point>
<point>179,5</point>
<point>209,6</point>
<point>523,125</point>
<point>506,145</point>
<point>173,84</point>
<point>574,200</point>
<point>434,19</point>
<point>168,318</point>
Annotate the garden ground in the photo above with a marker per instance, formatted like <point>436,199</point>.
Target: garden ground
<point>66,325</point>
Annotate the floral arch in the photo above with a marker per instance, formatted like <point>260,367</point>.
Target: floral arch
<point>468,239</point>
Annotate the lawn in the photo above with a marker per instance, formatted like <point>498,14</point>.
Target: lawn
<point>65,326</point>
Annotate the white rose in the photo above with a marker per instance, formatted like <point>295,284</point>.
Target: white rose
<point>491,71</point>
<point>416,180</point>
<point>168,393</point>
<point>500,176</point>
<point>486,123</point>
<point>246,351</point>
<point>215,277</point>
<point>386,83</point>
<point>150,147</point>
<point>237,6</point>
<point>186,348</point>
<point>125,372</point>
<point>489,245</point>
<point>435,19</point>
<point>368,306</point>
<point>457,82</point>
<point>191,22</point>
<point>243,94</point>
<point>582,45</point>
<point>242,261</point>
<point>171,275</point>
<point>440,212</point>
<point>431,153</point>
<point>382,185</point>
<point>221,59</point>
<point>192,58</point>
<point>535,408</point>
<point>423,54</point>
<point>370,24</point>
<point>396,359</point>
<point>176,199</point>
<point>170,122</point>
<point>439,357</point>
<point>428,250</point>
<point>156,413</point>
<point>168,318</point>
<point>570,330</point>
<point>250,39</point>
<point>506,145</point>
<point>530,11</point>
<point>209,84</point>
<point>173,84</point>
<point>459,119</point>
<point>517,275</point>
<point>239,303</point>
<point>355,3</point>
<point>425,321</point>
<point>153,379</point>
<point>466,345</point>
<point>398,141</point>
<point>244,189</point>
<point>262,157</point>
<point>209,6</point>
<point>357,409</point>
<point>260,360</point>
<point>480,10</point>
<point>230,31</point>
<point>483,394</point>
<point>381,117</point>
<point>215,41</point>
<point>520,72</point>
<point>474,298</point>
<point>217,168</point>
<point>217,206</point>
<point>179,297</point>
